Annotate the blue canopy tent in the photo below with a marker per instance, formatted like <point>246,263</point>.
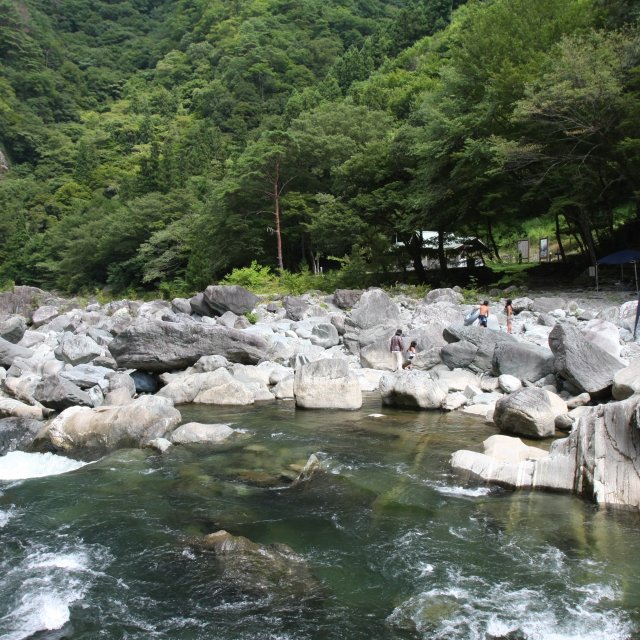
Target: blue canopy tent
<point>628,256</point>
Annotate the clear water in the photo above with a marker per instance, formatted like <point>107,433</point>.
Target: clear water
<point>396,544</point>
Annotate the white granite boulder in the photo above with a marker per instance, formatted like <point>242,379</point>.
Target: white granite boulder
<point>626,381</point>
<point>213,387</point>
<point>413,390</point>
<point>113,427</point>
<point>584,364</point>
<point>327,384</point>
<point>528,412</point>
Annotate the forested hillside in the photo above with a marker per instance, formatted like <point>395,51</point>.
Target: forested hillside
<point>159,144</point>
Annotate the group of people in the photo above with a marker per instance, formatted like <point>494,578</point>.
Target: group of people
<point>483,317</point>
<point>397,343</point>
<point>397,349</point>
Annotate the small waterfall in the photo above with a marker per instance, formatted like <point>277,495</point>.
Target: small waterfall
<point>18,465</point>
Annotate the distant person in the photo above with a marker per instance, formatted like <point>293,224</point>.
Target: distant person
<point>411,354</point>
<point>484,313</point>
<point>508,309</point>
<point>397,347</point>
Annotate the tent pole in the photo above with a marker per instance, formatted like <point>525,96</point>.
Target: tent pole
<point>597,277</point>
<point>635,268</point>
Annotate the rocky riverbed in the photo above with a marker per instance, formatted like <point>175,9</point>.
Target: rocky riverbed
<point>88,379</point>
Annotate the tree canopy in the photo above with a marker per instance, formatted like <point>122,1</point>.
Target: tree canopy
<point>146,143</point>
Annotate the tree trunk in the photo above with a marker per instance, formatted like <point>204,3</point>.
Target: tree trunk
<point>559,238</point>
<point>276,207</point>
<point>492,240</point>
<point>414,247</point>
<point>442,256</point>
<point>584,227</point>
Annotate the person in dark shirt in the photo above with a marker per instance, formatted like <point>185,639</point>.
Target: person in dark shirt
<point>397,347</point>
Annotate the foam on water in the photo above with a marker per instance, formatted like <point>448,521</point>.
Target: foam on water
<point>471,609</point>
<point>5,516</point>
<point>467,492</point>
<point>19,465</point>
<point>38,590</point>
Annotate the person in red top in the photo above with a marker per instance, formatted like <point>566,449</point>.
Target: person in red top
<point>397,347</point>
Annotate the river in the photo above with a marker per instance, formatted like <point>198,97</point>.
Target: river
<point>401,546</point>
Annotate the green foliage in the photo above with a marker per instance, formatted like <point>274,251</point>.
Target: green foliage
<point>156,145</point>
<point>254,277</point>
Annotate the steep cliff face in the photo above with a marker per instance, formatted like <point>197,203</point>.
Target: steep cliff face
<point>606,448</point>
<point>600,460</point>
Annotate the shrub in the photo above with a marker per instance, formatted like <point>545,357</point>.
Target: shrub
<point>255,277</point>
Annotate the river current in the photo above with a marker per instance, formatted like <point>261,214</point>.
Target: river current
<point>400,546</point>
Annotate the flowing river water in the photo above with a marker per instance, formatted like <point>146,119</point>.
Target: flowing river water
<point>399,545</point>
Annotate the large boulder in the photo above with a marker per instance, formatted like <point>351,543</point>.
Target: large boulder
<point>22,300</point>
<point>626,381</point>
<point>413,390</point>
<point>374,308</point>
<point>17,434</point>
<point>430,320</point>
<point>324,335</point>
<point>346,298</point>
<point>22,388</point>
<point>524,361</point>
<point>528,412</point>
<point>485,340</point>
<point>221,298</point>
<point>546,304</point>
<point>377,356</point>
<point>166,346</point>
<point>444,295</point>
<point>12,408</point>
<point>604,334</point>
<point>326,384</point>
<point>43,315</point>
<point>458,355</point>
<point>295,307</point>
<point>212,387</point>
<point>112,427</point>
<point>74,349</point>
<point>87,375</point>
<point>58,394</point>
<point>12,329</point>
<point>9,352</point>
<point>584,364</point>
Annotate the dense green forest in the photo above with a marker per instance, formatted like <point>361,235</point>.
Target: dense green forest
<point>160,144</point>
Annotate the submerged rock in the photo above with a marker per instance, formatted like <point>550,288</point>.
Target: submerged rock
<point>274,571</point>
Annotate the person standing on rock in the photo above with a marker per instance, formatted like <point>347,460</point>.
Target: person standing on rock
<point>508,309</point>
<point>397,347</point>
<point>411,354</point>
<point>484,313</point>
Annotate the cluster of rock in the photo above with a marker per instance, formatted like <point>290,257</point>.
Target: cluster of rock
<point>113,373</point>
